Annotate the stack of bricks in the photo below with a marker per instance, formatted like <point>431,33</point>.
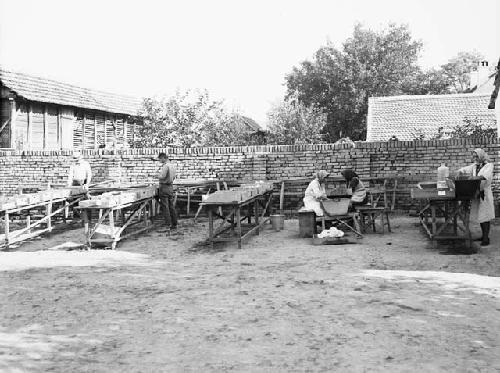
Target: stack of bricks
<point>413,161</point>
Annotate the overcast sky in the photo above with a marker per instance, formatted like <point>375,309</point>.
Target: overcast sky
<point>239,50</point>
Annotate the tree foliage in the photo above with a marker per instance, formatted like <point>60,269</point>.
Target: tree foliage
<point>457,71</point>
<point>371,64</point>
<point>292,122</point>
<point>341,81</point>
<point>190,118</point>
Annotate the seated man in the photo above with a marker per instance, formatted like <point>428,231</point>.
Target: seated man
<point>359,195</point>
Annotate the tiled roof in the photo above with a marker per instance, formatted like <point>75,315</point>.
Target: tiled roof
<point>50,91</point>
<point>252,125</point>
<point>411,117</point>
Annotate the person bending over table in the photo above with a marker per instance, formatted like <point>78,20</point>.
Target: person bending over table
<point>482,207</point>
<point>359,195</point>
<point>316,192</point>
<point>80,173</point>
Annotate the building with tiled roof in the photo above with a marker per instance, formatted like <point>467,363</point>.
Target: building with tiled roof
<point>423,117</point>
<point>38,113</point>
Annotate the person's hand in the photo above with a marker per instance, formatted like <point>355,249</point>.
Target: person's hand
<point>86,187</point>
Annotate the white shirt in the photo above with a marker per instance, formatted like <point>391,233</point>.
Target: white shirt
<point>80,171</point>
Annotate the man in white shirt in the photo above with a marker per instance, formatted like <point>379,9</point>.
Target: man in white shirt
<point>80,173</point>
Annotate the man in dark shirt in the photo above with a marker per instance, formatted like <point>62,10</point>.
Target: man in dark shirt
<point>166,178</point>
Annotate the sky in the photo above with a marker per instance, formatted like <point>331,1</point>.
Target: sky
<point>239,50</point>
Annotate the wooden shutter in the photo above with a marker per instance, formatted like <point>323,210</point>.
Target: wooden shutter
<point>110,132</point>
<point>21,135</point>
<point>89,134</point>
<point>5,124</point>
<point>78,131</point>
<point>52,128</point>
<point>67,123</point>
<point>37,127</point>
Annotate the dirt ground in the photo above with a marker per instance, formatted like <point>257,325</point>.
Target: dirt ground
<point>388,303</point>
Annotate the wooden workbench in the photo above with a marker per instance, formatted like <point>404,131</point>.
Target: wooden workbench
<point>233,214</point>
<point>443,216</point>
<point>124,220</point>
<point>49,210</point>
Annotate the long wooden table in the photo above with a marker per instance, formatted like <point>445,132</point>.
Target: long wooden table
<point>134,217</point>
<point>33,228</point>
<point>233,214</point>
<point>443,216</point>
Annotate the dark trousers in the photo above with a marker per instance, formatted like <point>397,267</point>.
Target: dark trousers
<point>166,194</point>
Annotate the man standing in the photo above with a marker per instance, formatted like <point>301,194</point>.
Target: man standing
<point>80,173</point>
<point>166,192</point>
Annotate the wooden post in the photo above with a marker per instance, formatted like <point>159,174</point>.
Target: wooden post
<point>30,124</point>
<point>211,226</point>
<point>83,131</point>
<point>96,145</point>
<point>238,225</point>
<point>49,220</point>
<point>12,128</point>
<point>45,127</point>
<point>28,222</point>
<point>7,228</point>
<point>256,215</point>
<point>59,129</point>
<point>105,135</point>
<point>282,197</point>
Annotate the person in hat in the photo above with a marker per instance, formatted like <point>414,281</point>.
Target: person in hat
<point>482,207</point>
<point>359,195</point>
<point>80,173</point>
<point>166,178</point>
<point>316,192</point>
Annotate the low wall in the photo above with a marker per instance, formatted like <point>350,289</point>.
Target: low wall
<point>412,160</point>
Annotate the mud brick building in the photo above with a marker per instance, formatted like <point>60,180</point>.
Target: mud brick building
<point>43,114</point>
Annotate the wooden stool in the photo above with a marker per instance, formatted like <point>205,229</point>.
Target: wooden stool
<point>371,214</point>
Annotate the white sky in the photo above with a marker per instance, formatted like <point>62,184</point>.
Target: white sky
<point>239,50</point>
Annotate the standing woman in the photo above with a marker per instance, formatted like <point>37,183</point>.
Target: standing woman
<point>359,195</point>
<point>315,193</point>
<point>482,207</point>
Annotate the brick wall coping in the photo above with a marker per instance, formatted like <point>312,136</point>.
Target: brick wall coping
<point>261,148</point>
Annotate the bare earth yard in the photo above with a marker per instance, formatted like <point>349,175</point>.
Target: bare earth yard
<point>389,303</point>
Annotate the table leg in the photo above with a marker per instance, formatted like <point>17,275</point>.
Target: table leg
<point>211,226</point>
<point>256,215</point>
<point>49,220</point>
<point>7,228</point>
<point>86,225</point>
<point>238,225</point>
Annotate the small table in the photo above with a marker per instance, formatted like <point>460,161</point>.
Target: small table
<point>233,213</point>
<point>453,222</point>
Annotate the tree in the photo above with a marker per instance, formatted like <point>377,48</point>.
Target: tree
<point>189,118</point>
<point>292,122</point>
<point>341,81</point>
<point>457,70</point>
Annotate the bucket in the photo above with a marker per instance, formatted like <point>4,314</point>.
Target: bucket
<point>278,222</point>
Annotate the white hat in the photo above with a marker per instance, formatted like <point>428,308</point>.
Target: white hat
<point>77,155</point>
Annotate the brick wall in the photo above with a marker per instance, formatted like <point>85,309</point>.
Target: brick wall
<point>413,160</point>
